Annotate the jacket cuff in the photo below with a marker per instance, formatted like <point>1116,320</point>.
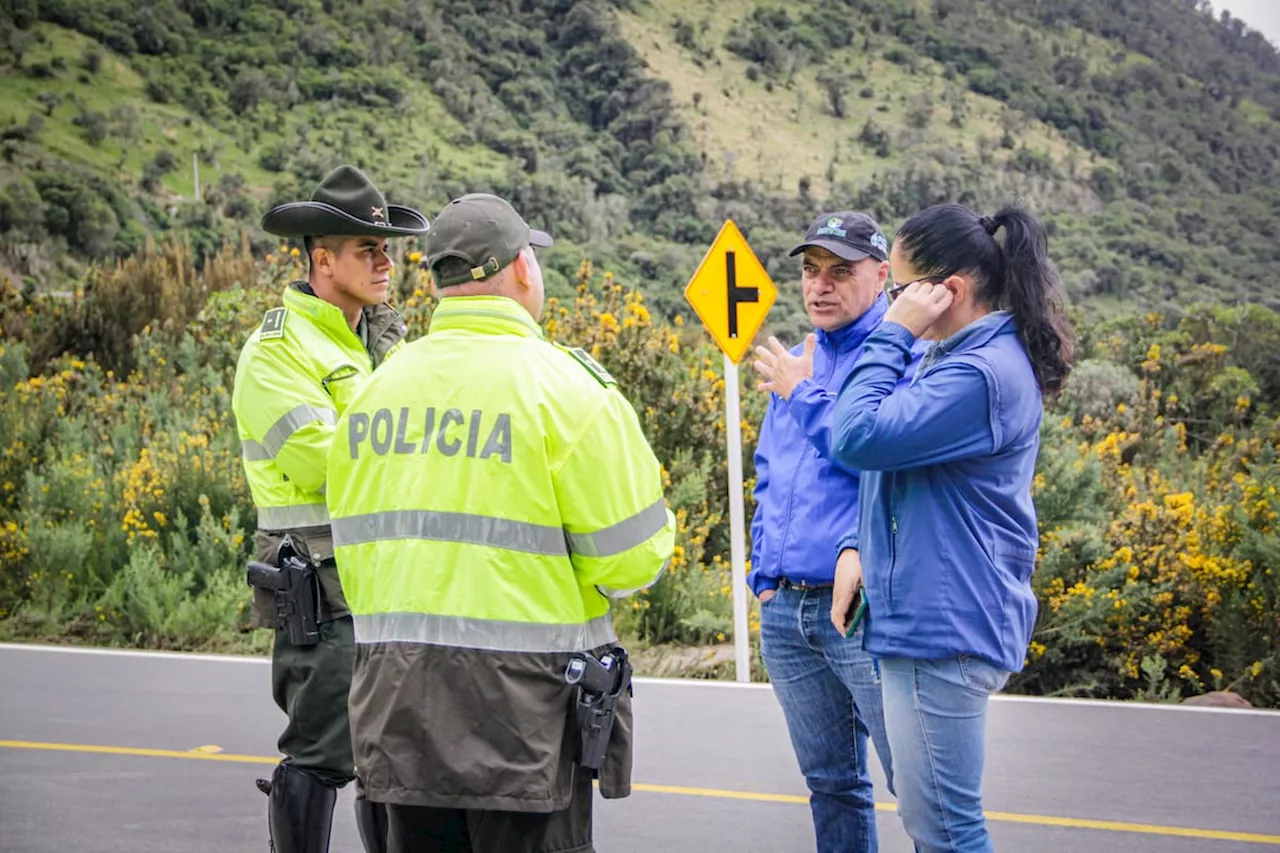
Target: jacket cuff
<point>801,386</point>
<point>759,583</point>
<point>849,540</point>
<point>897,333</point>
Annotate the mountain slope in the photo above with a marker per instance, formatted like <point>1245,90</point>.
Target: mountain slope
<point>1145,131</point>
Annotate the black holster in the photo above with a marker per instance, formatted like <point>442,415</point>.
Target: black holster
<point>600,682</point>
<point>296,587</point>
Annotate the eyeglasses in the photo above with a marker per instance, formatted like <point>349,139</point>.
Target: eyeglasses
<point>893,292</point>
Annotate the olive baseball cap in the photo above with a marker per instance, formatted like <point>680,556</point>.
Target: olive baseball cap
<point>846,234</point>
<point>484,231</point>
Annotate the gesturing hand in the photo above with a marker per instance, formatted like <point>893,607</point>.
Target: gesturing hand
<point>919,306</point>
<point>781,370</point>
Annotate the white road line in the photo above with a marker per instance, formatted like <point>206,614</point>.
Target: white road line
<point>701,683</point>
<point>133,653</point>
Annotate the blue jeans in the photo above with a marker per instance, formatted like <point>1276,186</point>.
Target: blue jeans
<point>829,689</point>
<point>936,714</point>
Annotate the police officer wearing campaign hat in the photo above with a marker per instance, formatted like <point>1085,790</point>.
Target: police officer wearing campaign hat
<point>489,492</point>
<point>827,685</point>
<point>296,374</point>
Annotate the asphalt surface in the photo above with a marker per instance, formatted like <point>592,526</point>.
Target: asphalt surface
<point>714,767</point>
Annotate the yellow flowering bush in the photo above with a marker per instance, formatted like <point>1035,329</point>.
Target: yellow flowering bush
<point>1159,572</point>
<point>125,517</point>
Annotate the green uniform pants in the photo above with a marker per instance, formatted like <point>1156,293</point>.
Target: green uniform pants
<point>421,829</point>
<point>310,684</point>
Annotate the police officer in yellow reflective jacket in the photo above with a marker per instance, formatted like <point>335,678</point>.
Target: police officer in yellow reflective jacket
<point>298,371</point>
<point>489,492</point>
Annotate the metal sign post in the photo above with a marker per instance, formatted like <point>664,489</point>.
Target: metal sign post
<point>732,294</point>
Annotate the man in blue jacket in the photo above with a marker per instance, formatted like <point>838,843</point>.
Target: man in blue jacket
<point>829,688</point>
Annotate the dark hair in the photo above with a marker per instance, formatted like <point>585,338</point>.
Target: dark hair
<point>1017,275</point>
<point>310,244</point>
<point>449,267</point>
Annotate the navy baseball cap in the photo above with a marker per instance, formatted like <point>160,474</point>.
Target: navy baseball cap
<point>846,234</point>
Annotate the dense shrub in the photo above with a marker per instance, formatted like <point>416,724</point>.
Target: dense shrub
<point>125,518</point>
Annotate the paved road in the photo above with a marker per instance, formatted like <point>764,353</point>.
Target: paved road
<point>714,766</point>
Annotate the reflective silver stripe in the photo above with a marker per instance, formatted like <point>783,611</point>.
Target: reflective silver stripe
<point>292,421</point>
<point>287,517</point>
<point>253,451</point>
<point>450,527</point>
<point>623,536</point>
<point>610,592</point>
<point>490,635</point>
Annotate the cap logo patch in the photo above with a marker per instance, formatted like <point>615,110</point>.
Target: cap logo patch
<point>880,242</point>
<point>832,227</point>
<point>377,213</point>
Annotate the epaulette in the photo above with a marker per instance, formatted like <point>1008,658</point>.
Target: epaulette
<point>593,367</point>
<point>272,324</point>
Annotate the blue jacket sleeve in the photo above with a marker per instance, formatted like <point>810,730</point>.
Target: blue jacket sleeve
<point>755,581</point>
<point>943,417</point>
<point>811,407</point>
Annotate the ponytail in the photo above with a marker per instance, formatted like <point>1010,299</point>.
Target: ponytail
<point>1033,292</point>
<point>1014,274</point>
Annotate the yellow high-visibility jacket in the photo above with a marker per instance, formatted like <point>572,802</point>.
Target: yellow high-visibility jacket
<point>295,375</point>
<point>488,490</point>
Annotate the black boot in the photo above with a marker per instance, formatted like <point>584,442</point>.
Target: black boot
<point>299,811</point>
<point>371,818</point>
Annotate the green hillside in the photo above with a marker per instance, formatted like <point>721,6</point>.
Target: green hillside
<point>1145,131</point>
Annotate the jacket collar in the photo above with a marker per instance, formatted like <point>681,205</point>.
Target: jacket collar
<point>850,336</point>
<point>971,337</point>
<point>299,296</point>
<point>978,332</point>
<point>494,315</point>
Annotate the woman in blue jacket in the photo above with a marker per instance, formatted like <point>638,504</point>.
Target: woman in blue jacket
<point>946,540</point>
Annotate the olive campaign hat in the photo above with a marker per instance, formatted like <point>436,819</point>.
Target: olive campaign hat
<point>482,230</point>
<point>346,203</point>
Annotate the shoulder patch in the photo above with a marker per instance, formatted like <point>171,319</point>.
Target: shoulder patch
<point>593,367</point>
<point>272,324</point>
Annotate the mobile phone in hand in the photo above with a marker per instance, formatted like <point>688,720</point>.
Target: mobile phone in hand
<point>857,610</point>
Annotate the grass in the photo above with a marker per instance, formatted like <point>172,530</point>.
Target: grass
<point>1254,112</point>
<point>778,137</point>
<point>398,140</point>
<point>115,89</point>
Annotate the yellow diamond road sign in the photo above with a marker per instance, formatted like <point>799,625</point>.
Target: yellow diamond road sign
<point>731,292</point>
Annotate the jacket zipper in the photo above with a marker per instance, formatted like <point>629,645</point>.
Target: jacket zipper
<point>786,518</point>
<point>893,538</point>
<point>791,489</point>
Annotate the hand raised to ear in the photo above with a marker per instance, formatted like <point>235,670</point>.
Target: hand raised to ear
<point>919,306</point>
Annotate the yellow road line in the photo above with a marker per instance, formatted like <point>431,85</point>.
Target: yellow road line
<point>133,750</point>
<point>1006,817</point>
<point>201,754</point>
